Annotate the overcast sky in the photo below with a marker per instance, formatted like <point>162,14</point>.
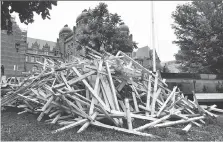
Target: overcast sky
<point>135,14</point>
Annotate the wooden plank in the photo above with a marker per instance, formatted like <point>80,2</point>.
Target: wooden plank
<point>152,124</point>
<point>167,100</point>
<point>56,118</point>
<point>138,116</point>
<point>135,102</point>
<point>187,128</point>
<point>75,80</point>
<point>91,90</point>
<point>44,108</point>
<point>186,118</point>
<point>128,114</point>
<point>148,95</point>
<point>87,93</point>
<point>82,101</point>
<point>216,109</point>
<point>82,113</point>
<point>48,103</point>
<point>179,122</point>
<point>96,88</point>
<point>122,105</point>
<point>122,84</point>
<point>87,123</point>
<point>106,87</point>
<point>141,67</point>
<point>54,113</point>
<point>70,126</point>
<point>155,96</point>
<point>104,95</point>
<point>96,123</point>
<point>112,87</point>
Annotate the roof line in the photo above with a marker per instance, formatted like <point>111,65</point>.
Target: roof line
<point>40,39</point>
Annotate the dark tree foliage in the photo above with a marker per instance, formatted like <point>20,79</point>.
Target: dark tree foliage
<point>199,30</point>
<point>26,10</point>
<point>101,30</point>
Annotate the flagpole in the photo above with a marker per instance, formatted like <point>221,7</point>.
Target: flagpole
<point>153,38</point>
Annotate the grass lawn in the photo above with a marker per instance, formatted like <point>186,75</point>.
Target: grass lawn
<point>25,127</point>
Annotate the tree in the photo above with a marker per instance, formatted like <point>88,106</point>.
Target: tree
<point>101,30</point>
<point>25,10</point>
<point>199,30</point>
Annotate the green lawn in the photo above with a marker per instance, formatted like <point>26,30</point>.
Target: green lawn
<point>25,127</point>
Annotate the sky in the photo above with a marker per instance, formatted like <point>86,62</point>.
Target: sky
<point>135,14</point>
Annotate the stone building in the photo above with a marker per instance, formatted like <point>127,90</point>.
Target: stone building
<point>67,37</point>
<point>37,50</point>
<point>13,50</point>
<point>144,56</point>
<point>19,53</point>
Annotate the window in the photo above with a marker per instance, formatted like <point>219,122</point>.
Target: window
<point>35,51</point>
<point>35,68</point>
<point>32,59</point>
<point>27,58</point>
<point>37,59</point>
<point>45,52</point>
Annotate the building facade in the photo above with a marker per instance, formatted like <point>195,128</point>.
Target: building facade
<point>38,50</point>
<point>144,56</point>
<point>20,53</point>
<point>68,37</point>
<point>13,50</point>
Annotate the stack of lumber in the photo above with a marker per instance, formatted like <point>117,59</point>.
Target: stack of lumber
<point>106,87</point>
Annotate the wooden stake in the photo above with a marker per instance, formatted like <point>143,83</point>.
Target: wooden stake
<point>155,96</point>
<point>135,102</point>
<point>178,122</point>
<point>167,100</point>
<point>152,123</point>
<point>96,88</point>
<point>112,87</point>
<point>70,126</point>
<point>96,123</point>
<point>107,88</point>
<point>91,90</point>
<point>128,115</point>
<point>187,128</point>
<point>148,96</point>
<point>87,123</point>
